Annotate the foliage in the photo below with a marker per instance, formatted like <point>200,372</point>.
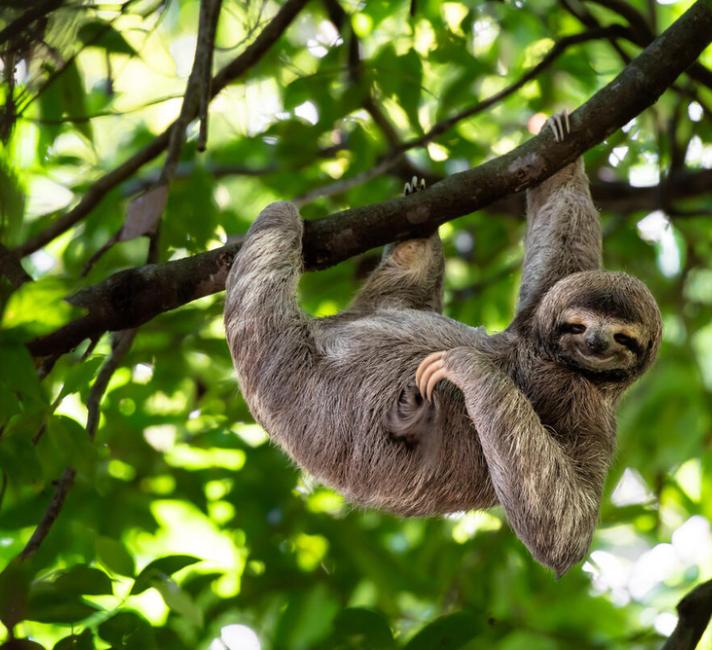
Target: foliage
<point>182,522</point>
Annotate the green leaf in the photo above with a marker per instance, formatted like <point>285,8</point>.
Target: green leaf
<point>73,98</point>
<point>18,456</point>
<point>127,630</point>
<point>83,641</point>
<point>64,99</point>
<point>12,203</point>
<point>48,604</point>
<point>83,579</point>
<point>401,77</point>
<point>307,618</point>
<point>446,633</point>
<point>361,628</point>
<point>18,373</point>
<point>14,592</point>
<point>66,443</point>
<point>80,376</point>
<point>114,554</point>
<point>39,306</point>
<point>178,600</point>
<point>98,33</point>
<point>161,568</point>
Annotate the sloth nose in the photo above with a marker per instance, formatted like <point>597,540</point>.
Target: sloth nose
<point>597,341</point>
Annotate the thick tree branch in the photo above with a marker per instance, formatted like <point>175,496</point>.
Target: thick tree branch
<point>132,297</point>
<point>694,612</point>
<point>232,71</point>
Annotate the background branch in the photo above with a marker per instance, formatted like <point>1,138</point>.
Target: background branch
<point>232,71</point>
<point>694,612</point>
<point>122,344</point>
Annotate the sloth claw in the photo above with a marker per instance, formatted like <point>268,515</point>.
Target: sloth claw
<point>560,125</point>
<point>414,185</point>
<point>430,372</point>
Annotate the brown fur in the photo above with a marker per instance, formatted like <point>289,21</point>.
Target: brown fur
<point>519,424</point>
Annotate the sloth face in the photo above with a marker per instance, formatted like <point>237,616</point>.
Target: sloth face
<point>605,325</point>
<point>598,343</point>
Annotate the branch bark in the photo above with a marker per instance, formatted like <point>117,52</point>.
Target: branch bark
<point>694,612</point>
<point>132,297</point>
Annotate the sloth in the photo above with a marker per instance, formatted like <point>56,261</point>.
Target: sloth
<point>403,409</point>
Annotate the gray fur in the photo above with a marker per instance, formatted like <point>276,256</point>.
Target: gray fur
<point>518,423</point>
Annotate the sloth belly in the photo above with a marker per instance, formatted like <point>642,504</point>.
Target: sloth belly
<point>338,430</point>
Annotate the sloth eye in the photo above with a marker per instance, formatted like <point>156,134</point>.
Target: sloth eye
<point>627,341</point>
<point>573,328</point>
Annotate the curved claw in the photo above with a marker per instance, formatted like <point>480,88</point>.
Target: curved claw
<point>430,371</point>
<point>414,185</point>
<point>560,125</point>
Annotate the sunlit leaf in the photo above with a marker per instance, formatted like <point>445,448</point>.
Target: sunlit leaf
<point>98,33</point>
<point>114,554</point>
<point>178,600</point>
<point>161,568</point>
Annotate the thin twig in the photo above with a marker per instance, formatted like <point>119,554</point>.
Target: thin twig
<point>66,481</point>
<point>197,89</point>
<point>345,184</point>
<point>61,489</point>
<point>211,19</point>
<point>232,71</point>
<point>551,56</point>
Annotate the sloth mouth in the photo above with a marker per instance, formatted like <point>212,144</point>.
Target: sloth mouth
<point>609,360</point>
<point>598,359</point>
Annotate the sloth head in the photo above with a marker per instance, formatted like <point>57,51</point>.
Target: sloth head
<point>604,325</point>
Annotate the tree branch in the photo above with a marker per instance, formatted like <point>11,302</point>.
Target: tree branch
<point>131,297</point>
<point>35,12</point>
<point>122,344</point>
<point>554,53</point>
<point>642,34</point>
<point>232,71</point>
<point>694,612</point>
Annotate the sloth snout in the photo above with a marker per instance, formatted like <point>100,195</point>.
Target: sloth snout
<point>597,341</point>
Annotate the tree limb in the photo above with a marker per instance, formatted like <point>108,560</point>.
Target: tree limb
<point>694,612</point>
<point>558,49</point>
<point>233,70</point>
<point>131,297</point>
<point>64,484</point>
<point>35,12</point>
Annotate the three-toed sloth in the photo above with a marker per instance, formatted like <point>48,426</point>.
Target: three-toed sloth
<point>403,409</point>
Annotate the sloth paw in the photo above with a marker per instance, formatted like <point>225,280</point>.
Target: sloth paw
<point>560,125</point>
<point>414,185</point>
<point>430,372</point>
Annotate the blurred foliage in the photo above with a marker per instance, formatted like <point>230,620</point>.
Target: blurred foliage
<point>184,527</point>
